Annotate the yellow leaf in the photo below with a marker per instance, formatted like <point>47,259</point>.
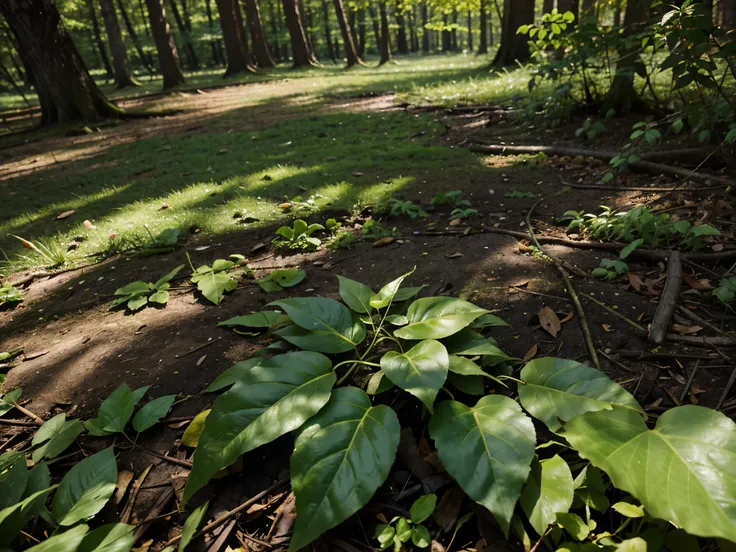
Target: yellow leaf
<point>192,433</point>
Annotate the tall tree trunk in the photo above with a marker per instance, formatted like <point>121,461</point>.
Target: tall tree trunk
<point>573,6</point>
<point>548,6</point>
<point>168,58</point>
<point>328,32</point>
<point>622,96</point>
<point>376,27</point>
<point>470,30</point>
<point>309,26</point>
<point>144,18</point>
<point>351,52</point>
<point>617,13</point>
<point>453,33</point>
<point>65,89</point>
<point>189,51</point>
<point>425,31</point>
<point>402,46</point>
<point>214,44</point>
<point>143,59</point>
<point>99,43</point>
<point>261,52</point>
<point>232,32</point>
<point>385,45</point>
<point>446,34</point>
<point>491,41</point>
<point>300,49</point>
<point>274,28</point>
<point>483,45</point>
<point>120,61</point>
<point>413,35</point>
<point>361,33</point>
<point>514,47</point>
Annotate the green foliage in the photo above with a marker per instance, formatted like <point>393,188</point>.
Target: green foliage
<point>517,194</point>
<point>115,411</point>
<point>10,294</point>
<point>151,413</point>
<point>222,276</point>
<point>463,213</point>
<point>405,207</point>
<point>9,400</point>
<point>610,269</point>
<point>190,526</point>
<point>726,291</point>
<point>402,530</point>
<point>54,437</point>
<point>51,252</point>
<point>451,198</point>
<point>374,230</point>
<point>137,295</point>
<point>591,130</point>
<point>277,280</point>
<point>343,239</point>
<point>298,237</point>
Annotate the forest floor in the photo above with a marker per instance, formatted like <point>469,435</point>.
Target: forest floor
<point>233,154</point>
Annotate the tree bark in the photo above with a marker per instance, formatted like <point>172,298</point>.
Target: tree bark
<point>351,53</point>
<point>331,50</point>
<point>514,47</point>
<point>232,32</point>
<point>301,52</point>
<point>470,30</point>
<point>402,46</point>
<point>425,31</point>
<point>214,44</point>
<point>413,38</point>
<point>309,27</point>
<point>453,33</point>
<point>189,51</point>
<point>274,29</point>
<point>361,33</point>
<point>729,14</point>
<point>121,63</point>
<point>376,27</point>
<point>65,89</point>
<point>483,45</point>
<point>385,45</point>
<point>134,37</point>
<point>167,56</point>
<point>446,34</point>
<point>261,52</point>
<point>99,43</point>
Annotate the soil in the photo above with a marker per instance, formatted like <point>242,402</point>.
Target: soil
<point>77,350</point>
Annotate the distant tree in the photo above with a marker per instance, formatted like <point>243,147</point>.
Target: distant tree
<point>402,45</point>
<point>332,52</point>
<point>261,53</point>
<point>514,47</point>
<point>66,92</point>
<point>98,42</point>
<point>348,40</point>
<point>168,57</point>
<point>385,43</point>
<point>121,63</point>
<point>190,54</point>
<point>300,48</point>
<point>144,60</point>
<point>483,40</point>
<point>236,44</point>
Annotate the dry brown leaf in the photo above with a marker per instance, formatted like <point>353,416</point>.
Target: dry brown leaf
<point>357,173</point>
<point>701,284</point>
<point>607,328</point>
<point>124,479</point>
<point>718,247</point>
<point>531,353</point>
<point>635,281</point>
<point>87,224</point>
<point>685,329</point>
<point>567,318</point>
<point>201,360</point>
<point>549,321</point>
<point>65,214</point>
<point>524,248</point>
<point>455,222</point>
<point>383,241</point>
<point>454,255</point>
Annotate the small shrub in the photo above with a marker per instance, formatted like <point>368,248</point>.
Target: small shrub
<point>223,275</point>
<point>463,213</point>
<point>726,291</point>
<point>405,207</point>
<point>137,295</point>
<point>298,237</point>
<point>451,198</point>
<point>10,294</point>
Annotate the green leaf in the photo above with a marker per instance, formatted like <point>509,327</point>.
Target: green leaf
<point>273,398</point>
<point>191,524</point>
<point>357,296</point>
<point>340,458</point>
<point>385,534</point>
<point>13,482</point>
<point>232,375</point>
<point>591,489</point>
<point>263,319</point>
<point>548,491</point>
<point>387,293</point>
<point>115,411</point>
<point>268,285</point>
<point>161,297</point>
<point>194,430</point>
<point>15,517</point>
<point>152,412</point>
<point>114,537</point>
<point>470,343</point>
<point>85,488</point>
<point>488,449</point>
<point>397,319</point>
<point>685,473</point>
<point>628,510</point>
<point>288,278</point>
<point>470,385</point>
<point>68,541</point>
<point>731,135</point>
<point>629,249</point>
<point>403,530</point>
<point>574,525</point>
<point>422,508</point>
<point>323,318</point>
<point>134,288</point>
<point>487,320</point>
<point>438,317</point>
<point>421,371</point>
<point>560,389</point>
<point>213,284</point>
<point>406,293</point>
<point>7,401</point>
<point>420,537</point>
<point>55,436</point>
<point>160,282</point>
<point>378,383</point>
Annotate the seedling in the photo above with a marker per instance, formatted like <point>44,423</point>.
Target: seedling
<point>610,269</point>
<point>223,275</point>
<point>591,130</point>
<point>402,530</point>
<point>298,237</point>
<point>450,198</point>
<point>726,292</point>
<point>137,294</point>
<point>405,207</point>
<point>518,194</point>
<point>374,230</point>
<point>277,280</point>
<point>50,251</point>
<point>344,239</point>
<point>10,294</point>
<point>463,213</point>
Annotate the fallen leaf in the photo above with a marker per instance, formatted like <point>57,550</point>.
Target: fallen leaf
<point>87,224</point>
<point>607,328</point>
<point>635,281</point>
<point>357,173</point>
<point>685,329</point>
<point>65,214</point>
<point>124,479</point>
<point>164,206</point>
<point>192,433</point>
<point>454,255</point>
<point>448,509</point>
<point>549,321</point>
<point>284,205</point>
<point>179,425</point>
<point>455,222</point>
<point>531,353</point>
<point>717,247</point>
<point>567,318</point>
<point>702,284</point>
<point>223,151</point>
<point>524,248</point>
<point>201,360</point>
<point>383,241</point>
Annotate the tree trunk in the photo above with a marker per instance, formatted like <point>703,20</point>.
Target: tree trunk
<point>385,45</point>
<point>261,52</point>
<point>376,27</point>
<point>144,18</point>
<point>413,35</point>
<point>300,50</point>
<point>446,34</point>
<point>351,52</point>
<point>622,97</point>
<point>331,51</point>
<point>142,58</point>
<point>274,28</point>
<point>573,6</point>
<point>309,26</point>
<point>617,13</point>
<point>236,47</point>
<point>189,51</point>
<point>470,30</point>
<point>99,43</point>
<point>453,33</point>
<point>65,89</point>
<point>514,47</point>
<point>361,33</point>
<point>167,55</point>
<point>483,46</point>
<point>425,31</point>
<point>120,62</point>
<point>214,44</point>
<point>402,46</point>
<point>548,6</point>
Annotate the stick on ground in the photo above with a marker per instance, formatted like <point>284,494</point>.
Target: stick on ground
<point>668,300</point>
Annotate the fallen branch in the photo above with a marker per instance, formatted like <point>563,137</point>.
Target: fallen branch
<point>689,383</point>
<point>701,341</point>
<point>570,289</point>
<point>198,348</point>
<point>639,189</point>
<point>219,543</point>
<point>128,509</point>
<point>20,423</point>
<point>695,318</point>
<point>630,322</point>
<point>668,300</point>
<point>163,499</point>
<point>642,355</point>
<point>28,413</point>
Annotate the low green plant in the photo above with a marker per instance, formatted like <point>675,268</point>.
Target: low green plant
<point>610,269</point>
<point>299,237</point>
<point>459,213</point>
<point>591,130</point>
<point>5,356</point>
<point>219,277</point>
<point>405,207</point>
<point>343,239</point>
<point>10,294</point>
<point>644,134</point>
<point>375,230</point>
<point>400,530</point>
<point>726,291</point>
<point>51,251</point>
<point>451,198</point>
<point>518,194</point>
<point>333,225</point>
<point>137,295</point>
<point>277,280</point>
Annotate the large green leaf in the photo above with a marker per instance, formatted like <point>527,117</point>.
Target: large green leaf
<point>438,317</point>
<point>191,525</point>
<point>13,482</point>
<point>214,281</point>
<point>387,293</point>
<point>421,371</point>
<point>683,471</point>
<point>68,541</point>
<point>232,375</point>
<point>560,389</point>
<point>262,319</point>
<point>591,489</point>
<point>470,343</point>
<point>86,488</point>
<point>8,400</point>
<point>15,517</point>
<point>115,411</point>
<point>114,537</point>
<point>332,327</point>
<point>466,367</point>
<point>55,436</point>
<point>340,458</point>
<point>274,397</point>
<point>152,412</point>
<point>357,296</point>
<point>487,448</point>
<point>548,491</point>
